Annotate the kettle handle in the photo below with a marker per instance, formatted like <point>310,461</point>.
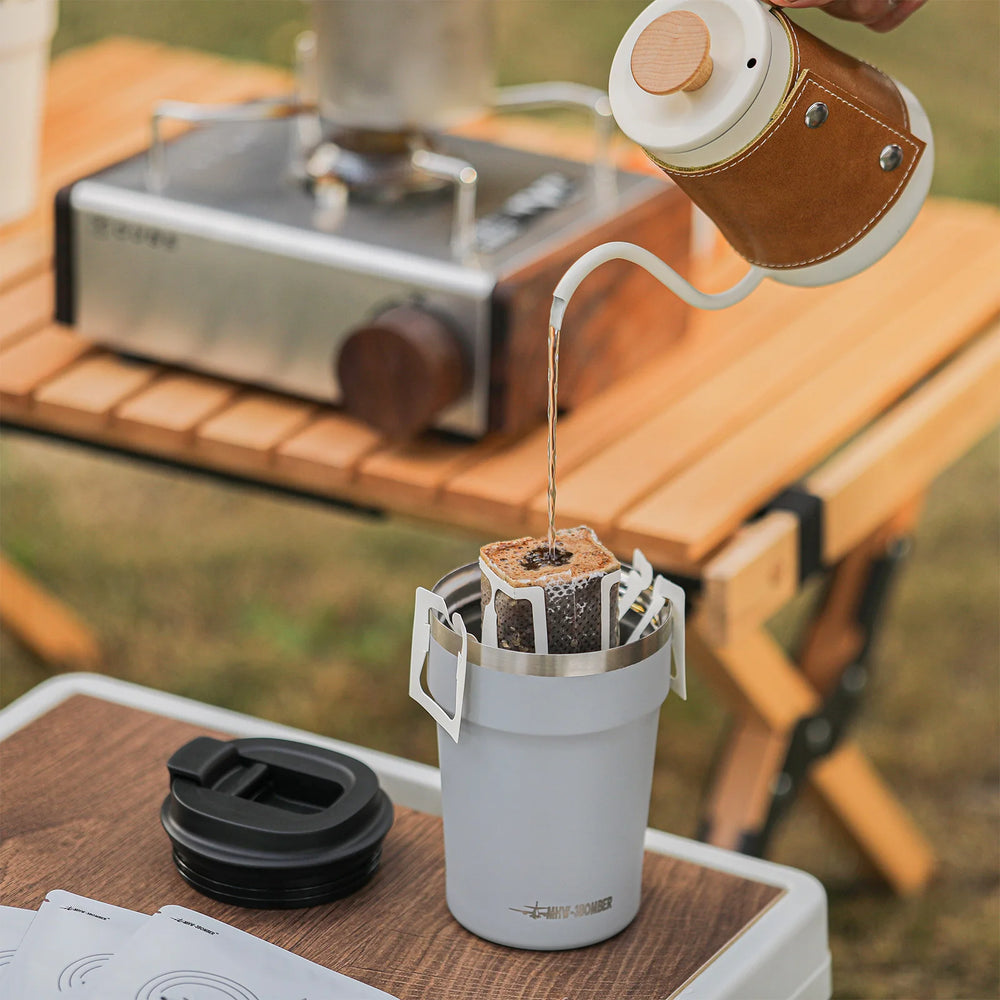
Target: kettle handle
<point>663,273</point>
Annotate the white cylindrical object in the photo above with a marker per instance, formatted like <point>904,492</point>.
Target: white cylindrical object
<point>26,28</point>
<point>546,784</point>
<point>546,799</point>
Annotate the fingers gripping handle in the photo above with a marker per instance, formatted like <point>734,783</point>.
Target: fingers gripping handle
<point>425,603</point>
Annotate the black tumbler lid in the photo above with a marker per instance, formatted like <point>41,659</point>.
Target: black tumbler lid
<point>273,823</point>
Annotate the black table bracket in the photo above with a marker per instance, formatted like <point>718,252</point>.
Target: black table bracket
<point>815,736</point>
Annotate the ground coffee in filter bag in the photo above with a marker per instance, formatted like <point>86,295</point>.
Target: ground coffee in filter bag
<point>577,586</point>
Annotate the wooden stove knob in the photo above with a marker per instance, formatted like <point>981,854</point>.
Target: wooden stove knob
<point>671,54</point>
<point>398,372</point>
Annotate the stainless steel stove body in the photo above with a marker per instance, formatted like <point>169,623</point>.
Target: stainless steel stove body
<point>234,266</point>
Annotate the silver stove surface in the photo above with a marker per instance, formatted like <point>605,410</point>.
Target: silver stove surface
<point>233,269</point>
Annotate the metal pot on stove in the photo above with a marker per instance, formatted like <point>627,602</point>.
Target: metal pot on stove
<point>403,65</point>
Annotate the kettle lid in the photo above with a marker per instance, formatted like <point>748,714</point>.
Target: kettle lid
<point>687,70</point>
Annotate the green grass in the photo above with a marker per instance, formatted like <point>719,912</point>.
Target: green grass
<point>302,614</point>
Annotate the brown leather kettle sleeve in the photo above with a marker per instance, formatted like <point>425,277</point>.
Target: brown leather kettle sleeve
<point>803,192</point>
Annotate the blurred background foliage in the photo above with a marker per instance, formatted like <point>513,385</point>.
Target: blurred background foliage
<point>302,614</point>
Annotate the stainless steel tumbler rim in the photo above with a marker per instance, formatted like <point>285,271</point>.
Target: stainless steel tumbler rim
<point>460,590</point>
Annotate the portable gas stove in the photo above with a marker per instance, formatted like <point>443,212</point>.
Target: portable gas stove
<point>401,273</point>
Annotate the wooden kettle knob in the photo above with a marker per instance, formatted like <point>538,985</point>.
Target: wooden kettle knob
<point>671,54</point>
<point>400,371</point>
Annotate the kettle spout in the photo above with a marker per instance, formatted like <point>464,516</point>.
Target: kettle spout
<point>663,273</point>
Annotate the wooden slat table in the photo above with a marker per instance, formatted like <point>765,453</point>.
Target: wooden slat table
<point>83,775</point>
<point>892,373</point>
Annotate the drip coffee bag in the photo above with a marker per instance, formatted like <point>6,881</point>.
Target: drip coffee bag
<point>563,601</point>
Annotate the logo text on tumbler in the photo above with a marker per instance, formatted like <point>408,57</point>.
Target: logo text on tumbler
<point>538,912</point>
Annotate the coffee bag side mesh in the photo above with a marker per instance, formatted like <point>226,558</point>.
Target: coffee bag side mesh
<point>572,585</point>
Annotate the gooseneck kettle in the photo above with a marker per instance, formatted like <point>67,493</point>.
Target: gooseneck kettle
<point>810,162</point>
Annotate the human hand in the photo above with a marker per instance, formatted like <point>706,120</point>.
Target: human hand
<point>879,15</point>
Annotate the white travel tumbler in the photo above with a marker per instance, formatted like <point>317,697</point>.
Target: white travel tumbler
<point>546,766</point>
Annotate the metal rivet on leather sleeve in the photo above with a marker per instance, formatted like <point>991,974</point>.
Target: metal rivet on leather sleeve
<point>816,114</point>
<point>890,157</point>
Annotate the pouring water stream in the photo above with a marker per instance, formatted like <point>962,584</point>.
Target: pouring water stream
<point>564,290</point>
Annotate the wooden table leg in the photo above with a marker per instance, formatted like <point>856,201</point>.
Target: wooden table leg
<point>871,816</point>
<point>742,787</point>
<point>773,694</point>
<point>869,481</point>
<point>839,632</point>
<point>42,623</point>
